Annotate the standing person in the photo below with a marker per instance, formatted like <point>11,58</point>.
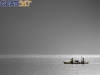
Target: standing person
<point>71,61</point>
<point>82,61</point>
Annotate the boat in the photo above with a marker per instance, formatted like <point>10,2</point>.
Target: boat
<point>76,61</point>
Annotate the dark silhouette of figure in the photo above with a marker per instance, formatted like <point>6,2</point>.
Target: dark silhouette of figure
<point>82,61</point>
<point>71,61</point>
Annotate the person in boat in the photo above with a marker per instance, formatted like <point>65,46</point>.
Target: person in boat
<point>77,61</point>
<point>82,61</point>
<point>71,61</point>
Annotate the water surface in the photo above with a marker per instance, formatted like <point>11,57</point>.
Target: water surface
<point>47,66</point>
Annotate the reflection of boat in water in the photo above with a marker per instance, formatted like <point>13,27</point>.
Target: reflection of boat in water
<point>76,61</point>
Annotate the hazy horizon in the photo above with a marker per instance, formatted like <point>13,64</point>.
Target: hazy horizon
<point>48,56</point>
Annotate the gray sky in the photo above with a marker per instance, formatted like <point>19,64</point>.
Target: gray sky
<point>51,27</point>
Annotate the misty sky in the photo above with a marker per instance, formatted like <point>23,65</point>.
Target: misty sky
<point>51,27</point>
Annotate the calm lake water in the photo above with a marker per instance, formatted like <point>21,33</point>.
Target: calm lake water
<point>47,66</point>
